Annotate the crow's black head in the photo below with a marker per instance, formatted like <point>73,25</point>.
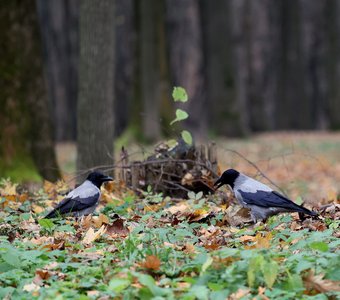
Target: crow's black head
<point>98,178</point>
<point>228,177</point>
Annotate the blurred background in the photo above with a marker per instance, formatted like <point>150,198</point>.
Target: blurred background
<point>78,77</point>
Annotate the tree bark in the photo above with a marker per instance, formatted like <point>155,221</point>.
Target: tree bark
<point>331,14</point>
<point>187,60</point>
<point>150,68</point>
<point>25,129</point>
<point>125,62</point>
<point>224,115</point>
<point>96,82</point>
<point>59,29</point>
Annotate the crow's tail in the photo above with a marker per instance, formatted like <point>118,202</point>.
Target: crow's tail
<point>307,211</point>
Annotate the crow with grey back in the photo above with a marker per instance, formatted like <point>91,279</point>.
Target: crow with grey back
<point>83,200</point>
<point>262,201</point>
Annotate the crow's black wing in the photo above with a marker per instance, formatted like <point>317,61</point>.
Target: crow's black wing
<point>272,199</point>
<point>69,205</point>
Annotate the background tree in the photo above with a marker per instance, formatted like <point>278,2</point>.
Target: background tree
<point>59,30</point>
<point>25,130</point>
<point>96,78</point>
<point>186,59</point>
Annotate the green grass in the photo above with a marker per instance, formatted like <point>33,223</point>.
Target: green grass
<point>20,169</point>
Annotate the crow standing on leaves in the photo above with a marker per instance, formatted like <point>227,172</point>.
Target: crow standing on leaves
<point>83,200</point>
<point>262,201</point>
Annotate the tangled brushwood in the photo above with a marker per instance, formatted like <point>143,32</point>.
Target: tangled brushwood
<point>173,171</point>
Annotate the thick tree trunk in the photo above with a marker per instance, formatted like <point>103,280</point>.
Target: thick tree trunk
<point>25,129</point>
<point>125,62</point>
<point>150,68</point>
<point>59,28</point>
<point>224,116</point>
<point>293,109</point>
<point>331,14</point>
<point>187,61</point>
<point>313,40</point>
<point>240,38</point>
<point>96,82</point>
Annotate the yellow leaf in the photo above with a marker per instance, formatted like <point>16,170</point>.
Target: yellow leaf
<point>91,235</point>
<point>8,188</point>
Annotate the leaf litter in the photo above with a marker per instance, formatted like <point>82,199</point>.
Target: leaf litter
<point>204,247</point>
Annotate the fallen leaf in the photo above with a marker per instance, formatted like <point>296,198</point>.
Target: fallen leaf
<point>247,238</point>
<point>8,188</point>
<point>117,228</point>
<point>239,294</point>
<point>179,208</point>
<point>236,215</point>
<point>100,220</point>
<point>151,262</point>
<point>92,235</point>
<point>316,283</point>
<point>31,287</point>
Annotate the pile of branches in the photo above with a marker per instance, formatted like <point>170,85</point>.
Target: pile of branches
<point>173,171</point>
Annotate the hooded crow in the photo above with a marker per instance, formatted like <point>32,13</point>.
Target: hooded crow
<point>262,201</point>
<point>83,200</point>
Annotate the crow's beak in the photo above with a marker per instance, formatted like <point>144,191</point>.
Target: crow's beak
<point>107,178</point>
<point>218,183</point>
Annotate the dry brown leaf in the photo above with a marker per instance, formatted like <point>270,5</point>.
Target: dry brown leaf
<point>92,235</point>
<point>187,179</point>
<point>8,188</point>
<point>151,262</point>
<point>240,293</point>
<point>179,208</point>
<point>316,283</point>
<point>189,248</point>
<point>212,246</point>
<point>198,215</point>
<point>43,274</point>
<point>117,228</point>
<point>55,246</point>
<point>261,291</point>
<point>263,241</point>
<point>100,220</point>
<point>247,238</point>
<point>236,215</point>
<point>31,287</point>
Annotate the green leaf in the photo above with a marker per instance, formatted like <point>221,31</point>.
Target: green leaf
<point>298,200</point>
<point>180,115</point>
<point>270,270</point>
<point>206,264</point>
<point>179,94</point>
<point>46,223</point>
<point>321,246</point>
<point>201,292</point>
<point>254,266</point>
<point>119,284</point>
<point>11,258</point>
<point>186,136</point>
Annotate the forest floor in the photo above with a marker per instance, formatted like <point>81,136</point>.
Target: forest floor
<point>154,247</point>
<point>302,164</point>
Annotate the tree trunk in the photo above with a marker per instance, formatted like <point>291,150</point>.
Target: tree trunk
<point>331,14</point>
<point>150,68</point>
<point>187,61</point>
<point>313,40</point>
<point>224,117</point>
<point>125,62</point>
<point>59,28</point>
<point>25,130</point>
<point>96,82</point>
<point>240,45</point>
